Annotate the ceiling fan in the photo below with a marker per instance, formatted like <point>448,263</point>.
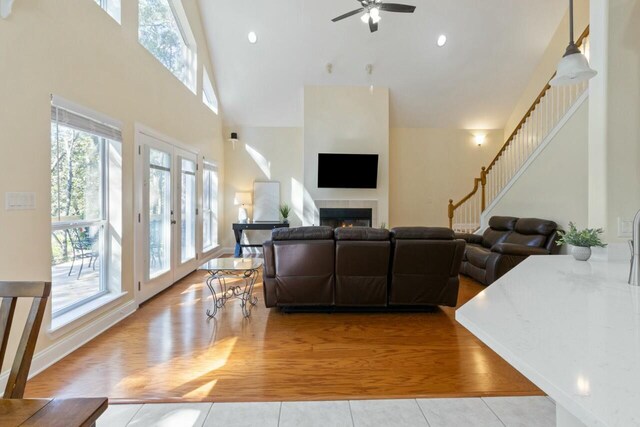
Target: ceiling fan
<point>372,8</point>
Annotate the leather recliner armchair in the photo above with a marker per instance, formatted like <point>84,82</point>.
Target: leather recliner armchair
<point>506,243</point>
<point>362,266</point>
<point>425,266</point>
<point>299,267</point>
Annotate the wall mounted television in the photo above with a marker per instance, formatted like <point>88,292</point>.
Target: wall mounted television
<point>347,170</point>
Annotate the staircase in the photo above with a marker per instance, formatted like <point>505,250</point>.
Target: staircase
<point>538,125</point>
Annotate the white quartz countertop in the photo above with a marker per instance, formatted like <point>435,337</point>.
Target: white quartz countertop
<point>572,328</point>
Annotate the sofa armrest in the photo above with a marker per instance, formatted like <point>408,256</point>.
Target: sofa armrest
<point>269,267</point>
<point>470,238</point>
<point>520,250</point>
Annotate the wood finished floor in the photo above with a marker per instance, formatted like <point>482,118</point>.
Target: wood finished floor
<point>168,351</point>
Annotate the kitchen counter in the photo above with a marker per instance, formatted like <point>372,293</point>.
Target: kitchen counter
<point>573,329</point>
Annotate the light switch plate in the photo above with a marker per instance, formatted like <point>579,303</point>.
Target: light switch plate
<point>19,201</point>
<point>625,227</point>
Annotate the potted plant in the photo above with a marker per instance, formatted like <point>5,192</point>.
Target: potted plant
<point>581,241</point>
<point>285,210</point>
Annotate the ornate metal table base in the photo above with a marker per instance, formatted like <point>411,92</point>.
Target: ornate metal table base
<point>243,293</point>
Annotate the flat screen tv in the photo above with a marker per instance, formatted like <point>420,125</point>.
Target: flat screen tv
<point>347,170</point>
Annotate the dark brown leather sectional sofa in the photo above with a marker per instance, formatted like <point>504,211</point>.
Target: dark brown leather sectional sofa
<point>506,243</point>
<point>359,267</point>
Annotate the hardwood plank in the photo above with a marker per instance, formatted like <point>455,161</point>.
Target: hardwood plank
<point>14,412</point>
<point>68,413</point>
<point>168,351</point>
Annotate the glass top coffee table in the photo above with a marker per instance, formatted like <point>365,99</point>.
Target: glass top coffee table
<point>221,269</point>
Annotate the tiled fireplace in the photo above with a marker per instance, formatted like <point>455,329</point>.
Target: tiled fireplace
<point>346,217</point>
<point>351,212</point>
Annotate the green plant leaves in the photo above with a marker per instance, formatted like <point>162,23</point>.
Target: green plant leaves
<point>587,238</point>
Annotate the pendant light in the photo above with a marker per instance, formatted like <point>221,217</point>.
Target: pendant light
<point>574,66</point>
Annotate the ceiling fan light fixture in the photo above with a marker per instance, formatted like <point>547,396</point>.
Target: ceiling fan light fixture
<point>365,17</point>
<point>374,13</point>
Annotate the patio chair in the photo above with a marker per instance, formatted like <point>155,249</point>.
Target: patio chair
<point>82,244</point>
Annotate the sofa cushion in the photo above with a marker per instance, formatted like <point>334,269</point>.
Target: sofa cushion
<point>302,233</point>
<point>422,233</point>
<point>477,255</point>
<point>492,237</point>
<point>361,233</point>
<point>530,226</point>
<point>503,223</point>
<point>518,250</point>
<point>535,240</point>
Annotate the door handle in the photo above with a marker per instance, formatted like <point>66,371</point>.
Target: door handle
<point>173,221</point>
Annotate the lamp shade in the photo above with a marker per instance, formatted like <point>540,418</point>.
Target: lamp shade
<point>242,198</point>
<point>573,69</point>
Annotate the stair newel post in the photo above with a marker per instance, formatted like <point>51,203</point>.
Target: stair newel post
<point>483,181</point>
<point>451,213</point>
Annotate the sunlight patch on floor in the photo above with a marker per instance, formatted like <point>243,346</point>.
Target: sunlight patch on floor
<point>194,370</point>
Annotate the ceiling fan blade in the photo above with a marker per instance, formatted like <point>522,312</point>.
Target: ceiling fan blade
<point>373,26</point>
<point>395,7</point>
<point>348,14</point>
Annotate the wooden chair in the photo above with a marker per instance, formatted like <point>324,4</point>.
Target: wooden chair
<point>9,294</point>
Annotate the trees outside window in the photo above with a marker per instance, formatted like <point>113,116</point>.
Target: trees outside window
<point>81,161</point>
<point>164,31</point>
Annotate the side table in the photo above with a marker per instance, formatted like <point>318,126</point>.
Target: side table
<point>221,269</point>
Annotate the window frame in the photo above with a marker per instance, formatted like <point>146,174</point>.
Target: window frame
<point>103,221</point>
<point>210,167</point>
<point>188,38</point>
<point>209,97</point>
<point>182,173</point>
<point>104,5</point>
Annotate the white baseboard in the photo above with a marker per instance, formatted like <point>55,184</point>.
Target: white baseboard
<point>52,354</point>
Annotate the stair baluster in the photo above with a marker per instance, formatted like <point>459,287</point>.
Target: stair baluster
<point>542,117</point>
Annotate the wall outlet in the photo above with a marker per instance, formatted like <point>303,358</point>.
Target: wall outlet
<point>625,227</point>
<point>19,201</point>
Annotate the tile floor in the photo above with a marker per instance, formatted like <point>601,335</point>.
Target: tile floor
<point>481,412</point>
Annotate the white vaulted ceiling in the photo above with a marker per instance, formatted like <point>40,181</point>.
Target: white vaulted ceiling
<point>473,82</point>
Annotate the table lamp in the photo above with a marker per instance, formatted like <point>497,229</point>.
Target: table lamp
<point>241,199</point>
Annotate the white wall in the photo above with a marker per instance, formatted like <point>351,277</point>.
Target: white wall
<point>346,120</point>
<point>263,154</point>
<point>555,186</point>
<point>429,167</point>
<point>74,49</point>
<point>548,63</point>
<point>623,115</point>
<point>614,134</point>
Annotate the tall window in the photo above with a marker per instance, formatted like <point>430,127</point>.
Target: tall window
<point>164,31</point>
<point>210,207</point>
<point>80,176</point>
<point>112,7</point>
<point>208,94</point>
<point>188,209</point>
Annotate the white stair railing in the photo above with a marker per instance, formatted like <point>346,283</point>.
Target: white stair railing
<point>548,110</point>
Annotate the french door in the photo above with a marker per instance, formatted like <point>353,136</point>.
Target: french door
<point>167,209</point>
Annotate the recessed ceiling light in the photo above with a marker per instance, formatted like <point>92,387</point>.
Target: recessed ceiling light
<point>442,40</point>
<point>253,37</point>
